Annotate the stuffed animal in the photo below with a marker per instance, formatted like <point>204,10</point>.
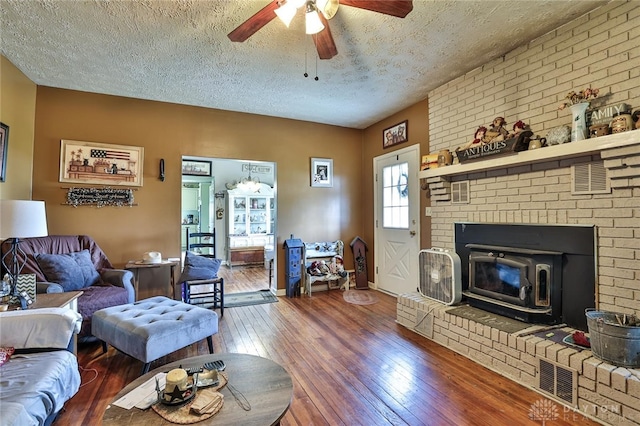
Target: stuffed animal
<point>314,268</point>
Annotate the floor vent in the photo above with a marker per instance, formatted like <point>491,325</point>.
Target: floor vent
<point>460,192</point>
<point>589,178</point>
<point>559,382</point>
<point>424,323</point>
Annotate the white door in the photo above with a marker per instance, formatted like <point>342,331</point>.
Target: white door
<point>397,227</point>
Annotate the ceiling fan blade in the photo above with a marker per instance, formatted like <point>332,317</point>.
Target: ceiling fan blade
<point>399,8</point>
<point>253,24</point>
<point>324,41</point>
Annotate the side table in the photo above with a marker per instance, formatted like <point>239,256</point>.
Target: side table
<point>138,266</point>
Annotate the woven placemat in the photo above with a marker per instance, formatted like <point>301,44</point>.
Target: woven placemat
<point>182,414</point>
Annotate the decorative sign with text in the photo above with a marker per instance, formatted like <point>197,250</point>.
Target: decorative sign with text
<point>605,114</point>
<point>100,197</point>
<point>509,146</point>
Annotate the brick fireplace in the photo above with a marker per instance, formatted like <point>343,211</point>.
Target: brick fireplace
<point>538,192</point>
<point>544,187</point>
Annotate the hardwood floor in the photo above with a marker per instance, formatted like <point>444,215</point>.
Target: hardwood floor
<point>350,364</point>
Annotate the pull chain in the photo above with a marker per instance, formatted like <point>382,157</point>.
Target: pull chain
<point>305,63</point>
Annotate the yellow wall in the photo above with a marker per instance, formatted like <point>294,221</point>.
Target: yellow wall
<point>170,131</point>
<point>17,110</point>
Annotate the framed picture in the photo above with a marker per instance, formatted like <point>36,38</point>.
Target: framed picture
<point>322,172</point>
<point>100,163</point>
<point>196,168</point>
<point>4,141</point>
<point>395,134</point>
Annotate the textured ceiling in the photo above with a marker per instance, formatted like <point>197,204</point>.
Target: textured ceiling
<point>178,51</point>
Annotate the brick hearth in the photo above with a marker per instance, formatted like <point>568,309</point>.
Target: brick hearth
<point>603,391</point>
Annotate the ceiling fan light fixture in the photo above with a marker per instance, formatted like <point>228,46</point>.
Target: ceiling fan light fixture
<point>286,12</point>
<point>313,23</point>
<point>328,7</point>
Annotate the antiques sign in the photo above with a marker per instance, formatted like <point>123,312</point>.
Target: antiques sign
<point>509,146</point>
<point>486,150</point>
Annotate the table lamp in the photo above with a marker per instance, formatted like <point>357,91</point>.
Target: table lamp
<point>20,219</point>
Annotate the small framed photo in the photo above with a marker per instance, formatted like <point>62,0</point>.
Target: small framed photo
<point>4,141</point>
<point>322,172</point>
<point>395,134</point>
<point>196,168</point>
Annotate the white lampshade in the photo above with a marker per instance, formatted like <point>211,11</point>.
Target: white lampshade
<point>22,219</point>
<point>313,23</point>
<point>286,12</point>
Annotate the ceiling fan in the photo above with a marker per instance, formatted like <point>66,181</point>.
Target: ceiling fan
<point>317,12</point>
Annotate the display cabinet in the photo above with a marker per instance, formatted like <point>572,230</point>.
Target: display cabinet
<point>250,224</point>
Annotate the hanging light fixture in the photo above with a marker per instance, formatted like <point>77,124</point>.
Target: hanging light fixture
<point>288,9</point>
<point>249,184</point>
<point>313,23</point>
<point>286,12</point>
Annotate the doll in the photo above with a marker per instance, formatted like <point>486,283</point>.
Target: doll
<point>337,266</point>
<point>497,132</point>
<point>477,139</point>
<point>518,128</point>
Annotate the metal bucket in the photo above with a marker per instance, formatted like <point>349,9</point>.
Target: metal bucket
<point>612,342</point>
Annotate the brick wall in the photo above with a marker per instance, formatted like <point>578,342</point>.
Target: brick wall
<point>598,49</point>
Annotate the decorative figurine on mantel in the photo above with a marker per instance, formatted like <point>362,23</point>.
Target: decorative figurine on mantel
<point>477,139</point>
<point>518,128</point>
<point>636,118</point>
<point>497,132</point>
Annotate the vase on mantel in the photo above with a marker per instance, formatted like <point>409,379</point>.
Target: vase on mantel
<point>579,121</point>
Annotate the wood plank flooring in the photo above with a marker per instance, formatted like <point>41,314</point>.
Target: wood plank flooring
<point>350,364</point>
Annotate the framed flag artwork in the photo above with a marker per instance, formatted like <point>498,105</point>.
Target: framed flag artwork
<point>100,163</point>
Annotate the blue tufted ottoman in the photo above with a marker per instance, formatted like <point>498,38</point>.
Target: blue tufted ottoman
<point>151,328</point>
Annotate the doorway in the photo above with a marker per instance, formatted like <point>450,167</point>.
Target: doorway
<point>209,196</point>
<point>397,220</point>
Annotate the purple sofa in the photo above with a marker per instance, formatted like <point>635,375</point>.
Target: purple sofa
<point>76,262</point>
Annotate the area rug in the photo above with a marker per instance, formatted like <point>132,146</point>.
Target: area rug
<point>505,324</point>
<point>234,300</point>
<point>360,297</point>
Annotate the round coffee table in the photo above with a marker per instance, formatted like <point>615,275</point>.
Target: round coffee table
<point>265,385</point>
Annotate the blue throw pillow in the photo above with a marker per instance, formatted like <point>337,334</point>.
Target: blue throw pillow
<point>199,267</point>
<point>73,271</point>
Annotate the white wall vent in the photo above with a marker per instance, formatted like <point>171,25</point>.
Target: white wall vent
<point>460,192</point>
<point>589,178</point>
<point>558,382</point>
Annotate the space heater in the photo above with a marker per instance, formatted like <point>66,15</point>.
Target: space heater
<point>440,277</point>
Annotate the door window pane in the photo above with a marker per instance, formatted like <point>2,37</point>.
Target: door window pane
<point>395,196</point>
